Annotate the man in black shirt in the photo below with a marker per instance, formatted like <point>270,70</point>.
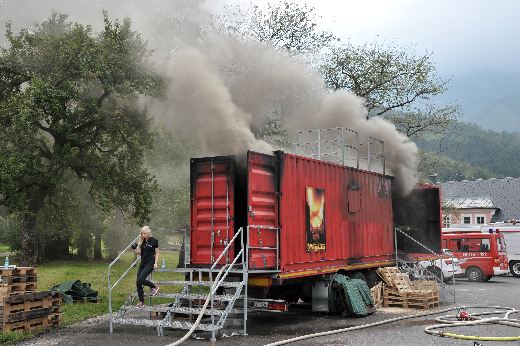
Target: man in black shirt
<point>148,248</point>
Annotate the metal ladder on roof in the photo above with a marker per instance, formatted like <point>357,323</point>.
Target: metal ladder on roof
<point>221,286</point>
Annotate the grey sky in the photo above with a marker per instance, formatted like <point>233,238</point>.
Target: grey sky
<point>474,42</point>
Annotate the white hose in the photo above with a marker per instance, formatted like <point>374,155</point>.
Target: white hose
<point>204,307</point>
<point>447,321</point>
<point>452,321</point>
<point>363,326</point>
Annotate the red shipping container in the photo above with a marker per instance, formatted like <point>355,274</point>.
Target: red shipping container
<point>324,217</point>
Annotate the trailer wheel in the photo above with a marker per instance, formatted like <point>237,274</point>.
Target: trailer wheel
<point>372,278</point>
<point>514,268</point>
<point>357,275</point>
<point>474,274</point>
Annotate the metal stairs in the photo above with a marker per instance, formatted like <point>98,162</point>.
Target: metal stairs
<point>211,292</point>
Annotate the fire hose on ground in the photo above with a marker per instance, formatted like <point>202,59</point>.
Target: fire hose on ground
<point>448,321</point>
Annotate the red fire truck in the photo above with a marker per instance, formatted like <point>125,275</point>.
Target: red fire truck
<point>483,254</point>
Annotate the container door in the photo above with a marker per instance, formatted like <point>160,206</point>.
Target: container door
<point>212,208</point>
<point>262,204</point>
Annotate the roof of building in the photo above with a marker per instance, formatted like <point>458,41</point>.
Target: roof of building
<point>504,194</point>
<point>470,202</point>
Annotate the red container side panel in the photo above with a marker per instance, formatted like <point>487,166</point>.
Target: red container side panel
<point>357,213</point>
<point>262,200</point>
<point>212,208</point>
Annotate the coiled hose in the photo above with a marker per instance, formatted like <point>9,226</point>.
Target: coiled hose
<point>451,321</point>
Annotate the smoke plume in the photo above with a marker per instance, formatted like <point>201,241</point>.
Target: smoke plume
<point>222,89</point>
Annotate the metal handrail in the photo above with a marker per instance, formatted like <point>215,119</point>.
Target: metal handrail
<point>109,269</point>
<point>226,249</point>
<point>109,275</point>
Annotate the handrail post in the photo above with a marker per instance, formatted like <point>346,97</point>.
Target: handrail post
<point>110,300</point>
<point>245,276</point>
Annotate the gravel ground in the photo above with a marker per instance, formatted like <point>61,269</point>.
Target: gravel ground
<point>270,327</point>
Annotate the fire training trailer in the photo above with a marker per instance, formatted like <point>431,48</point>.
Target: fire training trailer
<point>306,220</point>
<point>267,230</point>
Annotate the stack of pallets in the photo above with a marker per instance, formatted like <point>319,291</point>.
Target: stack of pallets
<point>22,308</point>
<point>400,291</point>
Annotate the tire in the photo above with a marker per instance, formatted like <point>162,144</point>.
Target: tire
<point>372,278</point>
<point>514,268</point>
<point>357,275</point>
<point>474,274</point>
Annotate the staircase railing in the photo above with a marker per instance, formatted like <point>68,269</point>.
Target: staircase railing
<point>405,265</point>
<point>240,254</point>
<point>109,275</point>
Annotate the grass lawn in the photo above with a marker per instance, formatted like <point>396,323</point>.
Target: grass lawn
<point>54,273</point>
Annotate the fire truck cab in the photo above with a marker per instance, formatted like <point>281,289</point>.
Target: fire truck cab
<point>483,255</point>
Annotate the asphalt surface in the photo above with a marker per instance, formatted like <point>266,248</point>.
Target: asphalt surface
<point>264,328</point>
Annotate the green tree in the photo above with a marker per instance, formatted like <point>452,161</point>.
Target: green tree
<point>286,25</point>
<point>395,82</point>
<point>69,104</point>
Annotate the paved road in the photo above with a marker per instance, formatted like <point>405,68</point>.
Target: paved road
<point>270,327</point>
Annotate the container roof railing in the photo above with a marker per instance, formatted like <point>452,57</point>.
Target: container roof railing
<point>339,145</point>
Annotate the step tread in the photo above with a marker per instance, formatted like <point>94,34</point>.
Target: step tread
<point>197,283</point>
<point>178,310</point>
<point>196,311</point>
<point>162,323</point>
<point>138,321</point>
<point>224,297</point>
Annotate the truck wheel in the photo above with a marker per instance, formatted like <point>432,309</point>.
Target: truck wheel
<point>474,274</point>
<point>372,278</point>
<point>357,275</point>
<point>514,268</point>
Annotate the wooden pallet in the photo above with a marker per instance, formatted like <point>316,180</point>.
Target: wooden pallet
<point>18,271</point>
<point>17,280</point>
<point>25,315</point>
<point>55,319</point>
<point>18,288</point>
<point>27,325</point>
<point>377,294</point>
<point>387,274</point>
<point>410,302</point>
<point>56,302</point>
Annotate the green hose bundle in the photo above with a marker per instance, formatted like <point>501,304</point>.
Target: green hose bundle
<point>356,295</point>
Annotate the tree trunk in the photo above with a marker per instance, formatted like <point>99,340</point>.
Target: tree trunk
<point>29,250</point>
<point>97,244</point>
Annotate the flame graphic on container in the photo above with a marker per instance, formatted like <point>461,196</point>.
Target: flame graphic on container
<point>316,203</point>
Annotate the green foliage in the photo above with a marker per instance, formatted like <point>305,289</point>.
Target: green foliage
<point>448,169</point>
<point>286,25</point>
<point>69,105</point>
<point>489,153</point>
